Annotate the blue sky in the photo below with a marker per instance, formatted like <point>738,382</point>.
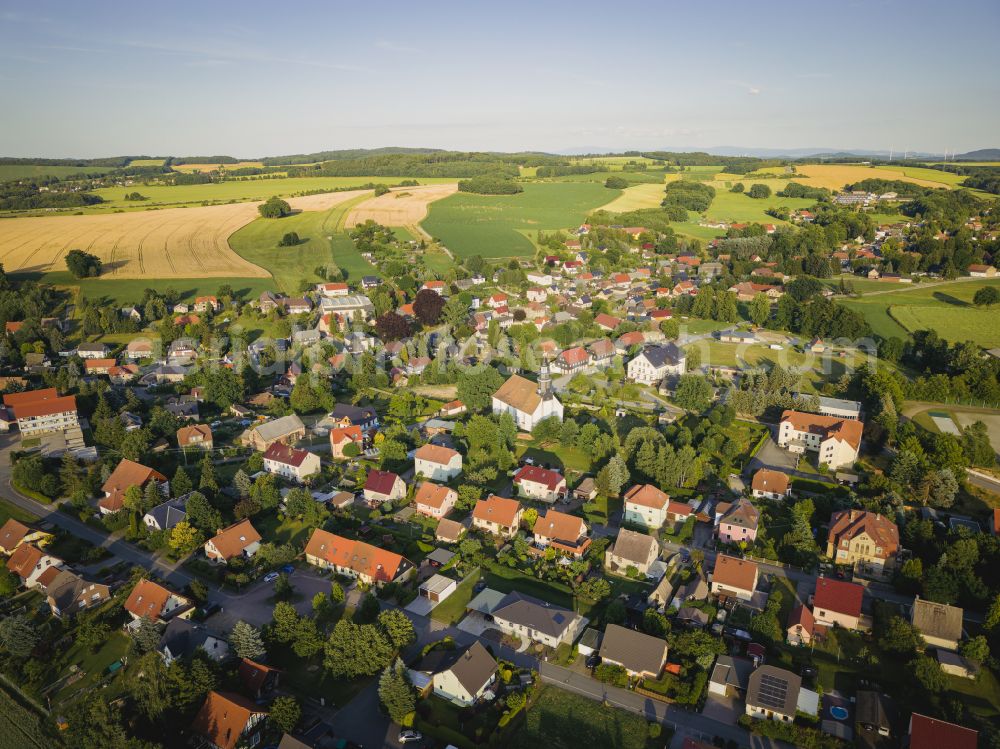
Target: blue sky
<point>251,78</point>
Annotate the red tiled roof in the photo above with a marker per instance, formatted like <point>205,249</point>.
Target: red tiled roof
<point>496,509</point>
<point>233,540</point>
<point>838,596</point>
<point>147,599</point>
<point>432,495</point>
<point>766,480</point>
<point>282,453</point>
<point>379,564</point>
<point>12,533</point>
<point>538,475</point>
<point>647,495</point>
<point>223,718</point>
<point>731,572</point>
<point>435,454</point>
<point>381,482</point>
<point>931,733</point>
<point>24,559</point>
<point>576,355</point>
<point>847,430</point>
<point>802,616</point>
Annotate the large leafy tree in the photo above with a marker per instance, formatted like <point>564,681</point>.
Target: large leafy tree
<point>396,693</point>
<point>355,650</point>
<point>428,306</point>
<point>246,641</point>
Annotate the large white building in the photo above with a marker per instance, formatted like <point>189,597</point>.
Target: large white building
<point>290,462</point>
<point>837,441</point>
<point>527,402</point>
<point>654,363</point>
<point>42,411</point>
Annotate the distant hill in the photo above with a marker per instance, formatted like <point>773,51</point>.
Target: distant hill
<point>983,154</point>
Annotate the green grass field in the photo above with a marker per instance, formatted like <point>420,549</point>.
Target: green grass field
<point>323,241</point>
<point>741,208</point>
<point>490,225</point>
<point>233,191</point>
<point>561,720</point>
<point>943,307</point>
<point>922,172</point>
<point>636,178</point>
<point>128,291</point>
<point>10,172</point>
<point>8,511</point>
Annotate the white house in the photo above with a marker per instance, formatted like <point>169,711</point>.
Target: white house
<point>646,505</point>
<point>437,463</point>
<point>460,676</point>
<point>837,441</point>
<point>434,500</point>
<point>291,463</point>
<point>539,483</point>
<point>654,363</point>
<point>527,402</point>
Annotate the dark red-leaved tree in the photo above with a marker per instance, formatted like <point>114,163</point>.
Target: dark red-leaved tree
<point>392,327</point>
<point>427,306</point>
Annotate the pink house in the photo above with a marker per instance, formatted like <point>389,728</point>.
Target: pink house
<point>737,522</point>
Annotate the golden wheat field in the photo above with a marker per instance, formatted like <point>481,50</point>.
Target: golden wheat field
<point>168,243</point>
<point>403,206</point>
<point>213,167</point>
<point>835,176</point>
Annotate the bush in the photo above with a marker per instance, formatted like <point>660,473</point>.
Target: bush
<point>609,674</point>
<point>289,240</point>
<point>274,207</point>
<point>616,183</point>
<point>490,185</point>
<point>759,191</point>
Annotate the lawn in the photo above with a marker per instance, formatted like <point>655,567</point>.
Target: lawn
<point>130,291</point>
<point>452,608</point>
<point>278,531</point>
<point>93,664</point>
<point>557,456</point>
<point>322,241</point>
<point>8,511</point>
<point>741,208</point>
<point>490,225</point>
<point>943,307</point>
<point>558,719</point>
<point>506,579</point>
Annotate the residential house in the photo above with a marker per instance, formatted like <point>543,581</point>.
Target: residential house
<point>92,351</point>
<point>347,415</point>
<point>14,533</point>
<point>287,430</point>
<point>734,577</point>
<point>95,367</point>
<point>940,624</point>
<point>461,676</point>
<point>837,602</point>
<point>227,720</point>
<point>572,360</point>
<point>166,515</point>
<point>642,656</point>
<point>801,626</point>
<point>127,474</point>
<point>333,289</point>
<point>150,600</point>
<point>497,515</point>
<point>539,483</point>
<point>182,638</point>
<point>528,618</point>
<point>257,679</point>
<point>290,462</point>
<point>873,716</point>
<point>68,594</point>
<point>437,463</point>
<point>932,733</point>
<point>773,693</point>
<point>206,303</point>
<point>837,441</point>
<point>29,562</point>
<point>434,500</point>
<point>369,564</point>
<point>977,270</point>
<point>527,402</point>
<point>452,408</point>
<point>563,532</point>
<point>344,436</point>
<point>867,542</point>
<point>770,484</point>
<point>632,549</point>
<point>654,363</point>
<point>646,505</point>
<point>383,486</point>
<point>449,531</point>
<point>42,411</point>
<point>239,539</point>
<point>602,352</point>
<point>196,435</point>
<point>738,523</point>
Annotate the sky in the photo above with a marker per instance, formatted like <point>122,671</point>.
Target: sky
<point>252,79</point>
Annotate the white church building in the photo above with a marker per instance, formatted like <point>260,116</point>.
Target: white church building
<point>527,402</point>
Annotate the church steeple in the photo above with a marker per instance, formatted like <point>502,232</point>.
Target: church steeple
<point>544,380</point>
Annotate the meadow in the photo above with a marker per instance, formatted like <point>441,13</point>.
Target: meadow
<point>233,190</point>
<point>11,172</point>
<point>943,307</point>
<point>637,198</point>
<point>492,225</point>
<point>323,241</point>
<point>741,208</point>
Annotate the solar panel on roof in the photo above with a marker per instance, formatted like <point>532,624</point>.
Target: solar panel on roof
<point>772,691</point>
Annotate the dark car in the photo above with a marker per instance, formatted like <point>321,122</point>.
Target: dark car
<point>593,660</point>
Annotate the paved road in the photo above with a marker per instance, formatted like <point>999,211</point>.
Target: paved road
<point>983,481</point>
<point>121,549</point>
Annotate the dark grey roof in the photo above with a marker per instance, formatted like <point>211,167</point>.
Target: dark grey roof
<point>774,689</point>
<point>518,608</point>
<point>660,356</point>
<point>873,709</point>
<point>356,414</point>
<point>183,637</point>
<point>170,513</point>
<point>637,652</point>
<point>472,667</point>
<point>733,672</point>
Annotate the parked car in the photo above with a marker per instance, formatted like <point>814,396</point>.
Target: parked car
<point>409,736</point>
<point>270,577</point>
<point>288,569</point>
<point>593,660</point>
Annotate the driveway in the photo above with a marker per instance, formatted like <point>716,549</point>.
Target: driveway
<point>723,709</point>
<point>255,605</point>
<point>772,456</point>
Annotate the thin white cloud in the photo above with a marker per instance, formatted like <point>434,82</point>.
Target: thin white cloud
<point>237,54</point>
<point>388,46</point>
